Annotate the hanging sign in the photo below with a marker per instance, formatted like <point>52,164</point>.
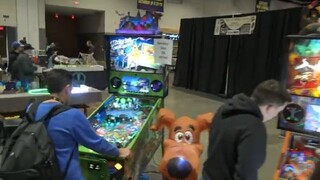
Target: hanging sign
<point>262,5</point>
<point>163,51</point>
<point>235,25</point>
<point>151,5</point>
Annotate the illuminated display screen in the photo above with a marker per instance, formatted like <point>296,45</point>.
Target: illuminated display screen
<point>135,84</point>
<point>132,54</point>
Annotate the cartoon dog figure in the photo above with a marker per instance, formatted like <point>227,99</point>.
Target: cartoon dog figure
<point>182,149</point>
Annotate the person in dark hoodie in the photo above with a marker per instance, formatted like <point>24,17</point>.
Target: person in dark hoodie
<point>17,48</point>
<point>237,136</point>
<point>23,41</point>
<point>23,68</point>
<point>90,47</point>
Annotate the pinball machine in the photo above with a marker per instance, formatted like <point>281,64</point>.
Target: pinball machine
<point>301,118</point>
<point>138,87</point>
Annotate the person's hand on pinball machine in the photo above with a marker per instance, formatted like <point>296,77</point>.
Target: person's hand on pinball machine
<point>124,152</point>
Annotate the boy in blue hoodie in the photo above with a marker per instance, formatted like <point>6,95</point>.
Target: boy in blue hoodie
<point>70,128</point>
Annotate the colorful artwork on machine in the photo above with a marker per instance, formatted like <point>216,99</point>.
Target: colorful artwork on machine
<point>299,164</point>
<point>132,53</point>
<point>146,24</point>
<point>304,67</point>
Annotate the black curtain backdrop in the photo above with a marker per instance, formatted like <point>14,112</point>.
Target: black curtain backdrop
<point>210,63</point>
<point>199,65</point>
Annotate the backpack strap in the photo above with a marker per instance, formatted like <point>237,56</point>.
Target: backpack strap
<point>2,133</point>
<point>30,102</point>
<point>31,111</point>
<point>61,109</point>
<point>55,111</point>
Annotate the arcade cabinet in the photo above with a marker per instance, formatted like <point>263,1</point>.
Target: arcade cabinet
<point>301,118</point>
<point>138,86</point>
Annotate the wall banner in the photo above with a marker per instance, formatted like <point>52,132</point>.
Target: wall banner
<point>235,25</point>
<point>151,5</point>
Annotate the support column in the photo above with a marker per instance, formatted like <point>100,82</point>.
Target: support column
<point>28,19</point>
<point>22,19</point>
<point>42,24</point>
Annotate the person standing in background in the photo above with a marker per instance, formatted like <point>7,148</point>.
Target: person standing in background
<point>50,50</point>
<point>17,48</point>
<point>51,58</point>
<point>23,68</point>
<point>23,41</point>
<point>90,47</point>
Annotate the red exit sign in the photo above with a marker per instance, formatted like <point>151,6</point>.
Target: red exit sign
<point>1,28</point>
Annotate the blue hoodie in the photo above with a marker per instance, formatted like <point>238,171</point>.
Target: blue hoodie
<point>69,129</point>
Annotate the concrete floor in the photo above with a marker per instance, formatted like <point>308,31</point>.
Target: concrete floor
<point>190,103</point>
<point>184,102</point>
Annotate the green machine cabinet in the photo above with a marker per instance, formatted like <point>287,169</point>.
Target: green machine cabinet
<point>143,145</point>
<point>94,168</point>
<point>138,89</point>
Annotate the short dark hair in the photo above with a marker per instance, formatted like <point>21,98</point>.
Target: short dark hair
<point>270,92</point>
<point>57,79</point>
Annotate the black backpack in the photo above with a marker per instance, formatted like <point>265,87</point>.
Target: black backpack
<point>2,132</point>
<point>29,154</point>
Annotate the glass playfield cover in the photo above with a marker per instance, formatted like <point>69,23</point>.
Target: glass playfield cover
<point>120,118</point>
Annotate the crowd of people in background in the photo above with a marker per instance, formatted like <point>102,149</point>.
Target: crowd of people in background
<point>20,65</point>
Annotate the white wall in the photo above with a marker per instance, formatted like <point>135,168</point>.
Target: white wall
<point>275,5</point>
<point>229,7</point>
<point>42,14</point>
<point>33,24</point>
<point>28,21</point>
<point>22,19</point>
<point>171,19</point>
<point>123,6</point>
<point>173,13</point>
<point>8,7</point>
